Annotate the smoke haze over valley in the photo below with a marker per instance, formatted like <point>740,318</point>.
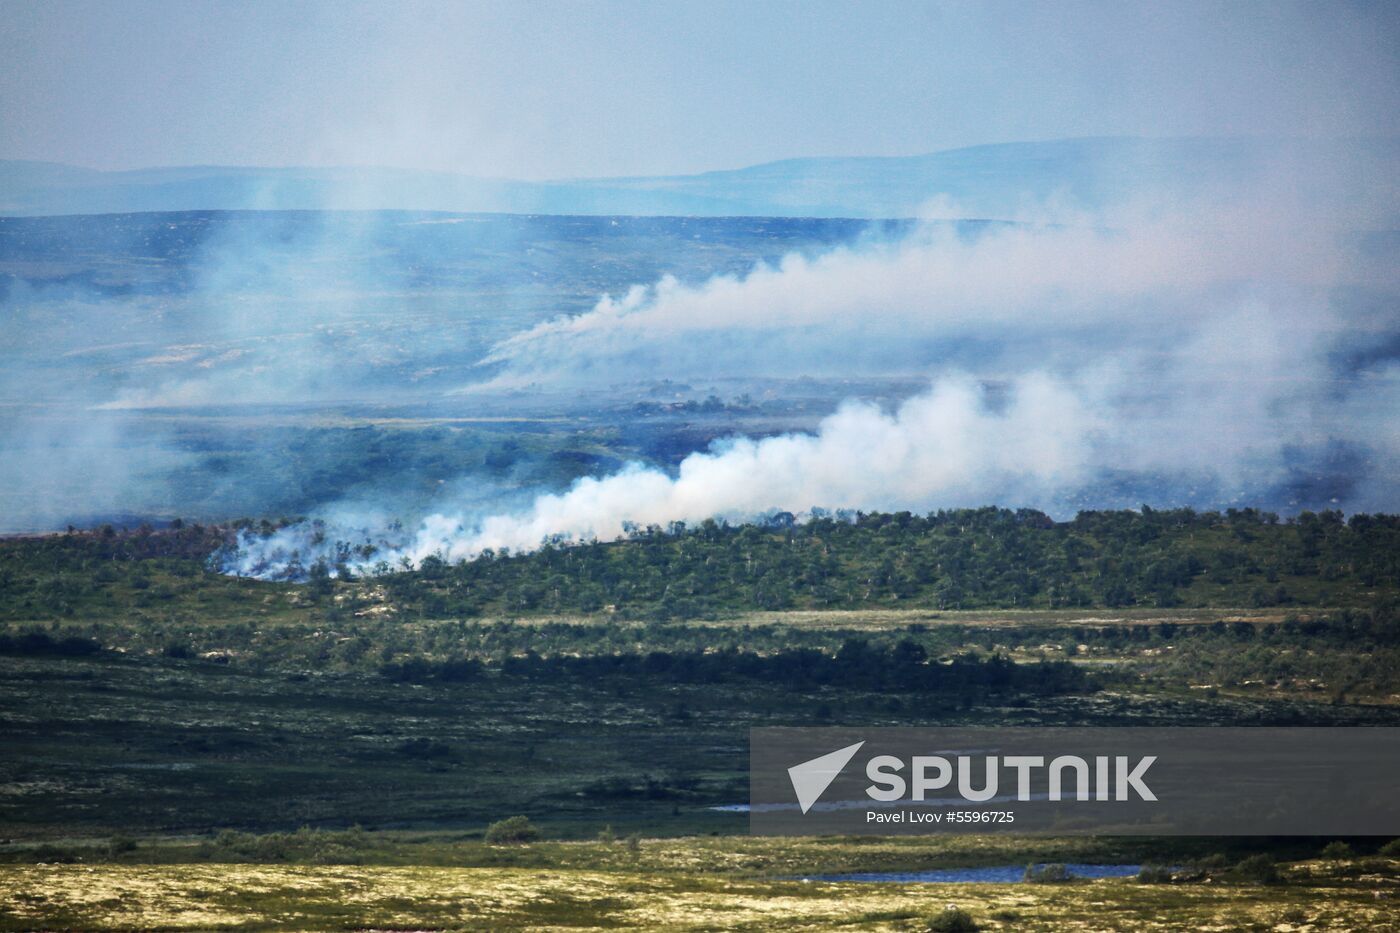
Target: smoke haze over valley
<point>1044,345</point>
<point>1181,293</point>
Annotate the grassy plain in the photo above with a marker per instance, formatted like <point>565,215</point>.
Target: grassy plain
<point>167,730</point>
<point>1317,895</point>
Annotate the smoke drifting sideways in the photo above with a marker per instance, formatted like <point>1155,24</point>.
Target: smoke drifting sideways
<point>1231,353</point>
<point>939,448</point>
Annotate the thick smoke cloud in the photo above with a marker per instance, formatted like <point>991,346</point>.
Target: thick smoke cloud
<point>945,447</point>
<point>1184,356</point>
<point>1205,342</point>
<point>903,306</point>
<point>1221,350</point>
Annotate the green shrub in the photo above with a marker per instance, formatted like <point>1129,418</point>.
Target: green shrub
<point>230,839</point>
<point>514,829</point>
<point>1047,874</point>
<point>1337,850</point>
<point>317,846</point>
<point>1257,869</point>
<point>1154,874</point>
<point>1391,849</point>
<point>952,919</point>
<point>1205,867</point>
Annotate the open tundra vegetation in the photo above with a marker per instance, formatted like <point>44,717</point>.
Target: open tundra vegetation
<point>558,738</point>
<point>688,884</point>
<point>435,436</point>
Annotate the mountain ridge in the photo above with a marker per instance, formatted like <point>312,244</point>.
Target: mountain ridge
<point>990,180</point>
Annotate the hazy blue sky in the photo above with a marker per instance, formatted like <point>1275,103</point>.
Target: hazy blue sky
<point>558,89</point>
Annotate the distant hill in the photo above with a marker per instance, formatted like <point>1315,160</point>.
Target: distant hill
<point>993,181</point>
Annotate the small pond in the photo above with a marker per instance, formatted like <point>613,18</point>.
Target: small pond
<point>998,874</point>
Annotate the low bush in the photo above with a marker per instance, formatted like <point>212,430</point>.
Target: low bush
<point>952,919</point>
<point>1337,850</point>
<point>1155,874</point>
<point>512,830</point>
<point>1205,867</point>
<point>1257,869</point>
<point>1048,874</point>
<point>318,846</point>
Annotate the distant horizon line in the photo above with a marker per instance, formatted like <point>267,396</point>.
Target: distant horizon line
<point>575,179</point>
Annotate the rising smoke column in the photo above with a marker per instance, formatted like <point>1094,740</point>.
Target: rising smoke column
<point>948,446</point>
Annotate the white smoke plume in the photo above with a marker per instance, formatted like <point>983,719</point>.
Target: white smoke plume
<point>1199,354</point>
<point>1018,291</point>
<point>948,446</point>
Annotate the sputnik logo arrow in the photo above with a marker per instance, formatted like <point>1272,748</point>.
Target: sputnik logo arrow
<point>811,778</point>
